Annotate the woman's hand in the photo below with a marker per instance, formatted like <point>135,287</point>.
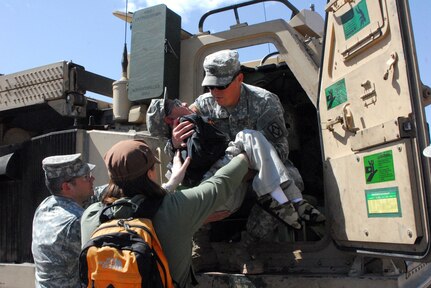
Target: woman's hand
<point>178,172</point>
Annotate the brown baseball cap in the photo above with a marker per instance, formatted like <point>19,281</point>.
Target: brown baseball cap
<point>129,159</point>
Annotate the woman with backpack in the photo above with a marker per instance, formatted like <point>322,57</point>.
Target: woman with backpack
<point>132,170</point>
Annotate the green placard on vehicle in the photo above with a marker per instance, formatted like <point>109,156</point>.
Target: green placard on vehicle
<point>383,202</point>
<point>336,94</point>
<point>379,167</point>
<point>355,19</point>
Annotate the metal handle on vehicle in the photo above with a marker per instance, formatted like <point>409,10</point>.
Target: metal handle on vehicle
<point>346,120</point>
<point>391,66</point>
<point>330,124</point>
<point>236,6</point>
<point>349,124</point>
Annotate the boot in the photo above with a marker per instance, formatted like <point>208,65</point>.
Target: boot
<point>285,212</point>
<point>308,212</point>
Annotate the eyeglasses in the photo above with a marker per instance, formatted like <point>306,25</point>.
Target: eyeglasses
<point>224,86</point>
<point>87,177</point>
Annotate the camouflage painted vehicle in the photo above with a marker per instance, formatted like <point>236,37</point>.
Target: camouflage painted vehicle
<point>354,108</point>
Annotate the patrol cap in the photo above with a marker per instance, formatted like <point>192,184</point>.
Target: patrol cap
<point>129,159</point>
<point>65,166</point>
<point>156,113</point>
<point>427,151</point>
<point>220,68</point>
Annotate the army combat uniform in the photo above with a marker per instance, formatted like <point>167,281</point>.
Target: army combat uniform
<point>258,110</point>
<point>57,242</point>
<point>56,239</point>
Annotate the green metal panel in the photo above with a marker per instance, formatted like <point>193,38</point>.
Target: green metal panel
<point>154,59</point>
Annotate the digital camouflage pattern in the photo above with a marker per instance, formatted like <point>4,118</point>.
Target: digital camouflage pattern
<point>57,242</point>
<point>257,109</point>
<point>285,212</point>
<point>261,110</point>
<point>155,119</point>
<point>65,166</point>
<point>220,68</point>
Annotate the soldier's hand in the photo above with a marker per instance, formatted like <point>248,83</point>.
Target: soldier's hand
<point>181,132</point>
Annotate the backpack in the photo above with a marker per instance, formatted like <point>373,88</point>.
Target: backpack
<point>125,252</point>
<point>205,146</point>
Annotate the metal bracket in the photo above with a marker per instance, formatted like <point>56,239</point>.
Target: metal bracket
<point>426,95</point>
<point>169,49</point>
<point>357,268</point>
<point>335,5</point>
<point>369,96</point>
<point>389,268</point>
<point>330,124</point>
<point>407,127</point>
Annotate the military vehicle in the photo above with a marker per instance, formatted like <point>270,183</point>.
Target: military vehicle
<point>353,105</point>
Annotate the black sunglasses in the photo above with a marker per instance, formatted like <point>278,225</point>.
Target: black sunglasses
<point>224,86</point>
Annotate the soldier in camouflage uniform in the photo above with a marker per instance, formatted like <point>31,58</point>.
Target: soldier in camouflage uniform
<point>263,157</point>
<point>234,106</point>
<point>56,224</point>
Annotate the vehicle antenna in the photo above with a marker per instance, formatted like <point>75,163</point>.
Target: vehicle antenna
<point>124,60</point>
<point>264,14</point>
<point>120,101</point>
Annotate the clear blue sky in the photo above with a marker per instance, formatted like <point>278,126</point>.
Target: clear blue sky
<point>36,33</point>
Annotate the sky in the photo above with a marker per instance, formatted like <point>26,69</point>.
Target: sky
<point>36,33</point>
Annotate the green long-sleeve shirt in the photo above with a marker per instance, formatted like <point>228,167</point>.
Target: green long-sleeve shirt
<point>181,214</point>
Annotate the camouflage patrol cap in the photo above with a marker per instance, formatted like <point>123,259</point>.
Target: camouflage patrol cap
<point>65,166</point>
<point>155,118</point>
<point>220,68</point>
<point>156,113</point>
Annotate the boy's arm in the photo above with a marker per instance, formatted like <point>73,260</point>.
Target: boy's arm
<point>169,149</point>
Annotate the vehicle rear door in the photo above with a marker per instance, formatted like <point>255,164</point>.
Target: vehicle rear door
<point>373,130</point>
